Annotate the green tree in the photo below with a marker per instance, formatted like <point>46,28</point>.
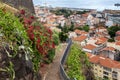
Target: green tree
<point>59,26</point>
<point>63,36</point>
<point>71,27</point>
<point>111,40</point>
<point>65,28</point>
<point>64,12</point>
<point>81,12</point>
<point>86,28</point>
<point>112,30</point>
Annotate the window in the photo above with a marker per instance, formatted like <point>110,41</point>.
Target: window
<point>105,77</point>
<point>107,69</point>
<point>106,73</point>
<point>114,74</point>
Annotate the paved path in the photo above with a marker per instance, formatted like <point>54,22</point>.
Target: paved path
<point>53,70</point>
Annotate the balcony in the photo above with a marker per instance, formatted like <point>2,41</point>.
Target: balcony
<point>114,74</point>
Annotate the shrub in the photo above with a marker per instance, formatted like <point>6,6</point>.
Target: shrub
<point>77,64</point>
<point>50,56</point>
<point>56,38</point>
<point>112,30</point>
<point>63,36</point>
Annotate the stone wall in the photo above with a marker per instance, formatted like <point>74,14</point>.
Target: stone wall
<point>28,4</point>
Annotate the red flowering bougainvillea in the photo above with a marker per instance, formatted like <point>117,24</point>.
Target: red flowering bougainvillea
<point>41,37</point>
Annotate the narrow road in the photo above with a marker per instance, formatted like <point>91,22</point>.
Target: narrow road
<point>53,70</point>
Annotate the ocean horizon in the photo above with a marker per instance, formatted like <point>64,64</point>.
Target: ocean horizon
<point>92,4</point>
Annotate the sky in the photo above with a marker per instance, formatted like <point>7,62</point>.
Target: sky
<point>90,4</point>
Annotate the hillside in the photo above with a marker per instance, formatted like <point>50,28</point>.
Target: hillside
<point>28,4</point>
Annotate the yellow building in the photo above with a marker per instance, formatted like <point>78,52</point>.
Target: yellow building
<point>104,68</point>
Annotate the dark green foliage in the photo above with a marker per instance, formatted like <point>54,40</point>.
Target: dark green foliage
<point>80,28</point>
<point>81,12</point>
<point>59,26</point>
<point>65,29</point>
<point>64,12</point>
<point>63,36</point>
<point>112,30</point>
<point>111,40</point>
<point>71,27</point>
<point>86,28</point>
<point>67,12</point>
<point>50,56</point>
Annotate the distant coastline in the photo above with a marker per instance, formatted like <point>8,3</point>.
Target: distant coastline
<point>92,4</point>
<point>75,9</point>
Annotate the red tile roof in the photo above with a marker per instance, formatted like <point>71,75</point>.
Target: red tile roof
<point>118,43</point>
<point>106,62</point>
<point>89,46</point>
<point>117,38</point>
<point>80,32</point>
<point>101,40</point>
<point>80,38</point>
<point>109,48</point>
<point>77,31</point>
<point>85,15</point>
<point>118,32</point>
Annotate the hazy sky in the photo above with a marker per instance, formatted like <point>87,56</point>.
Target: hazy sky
<point>94,4</point>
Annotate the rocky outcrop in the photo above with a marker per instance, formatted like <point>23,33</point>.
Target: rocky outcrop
<point>23,68</point>
<point>21,3</point>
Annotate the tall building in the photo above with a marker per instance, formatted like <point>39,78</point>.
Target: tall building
<point>104,68</point>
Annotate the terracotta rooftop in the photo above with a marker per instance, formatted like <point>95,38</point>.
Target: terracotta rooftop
<point>85,15</point>
<point>89,46</point>
<point>80,32</point>
<point>117,38</point>
<point>80,38</point>
<point>109,48</point>
<point>106,62</point>
<point>117,43</point>
<point>118,32</point>
<point>101,40</point>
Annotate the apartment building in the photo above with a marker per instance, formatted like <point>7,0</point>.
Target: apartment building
<point>104,68</point>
